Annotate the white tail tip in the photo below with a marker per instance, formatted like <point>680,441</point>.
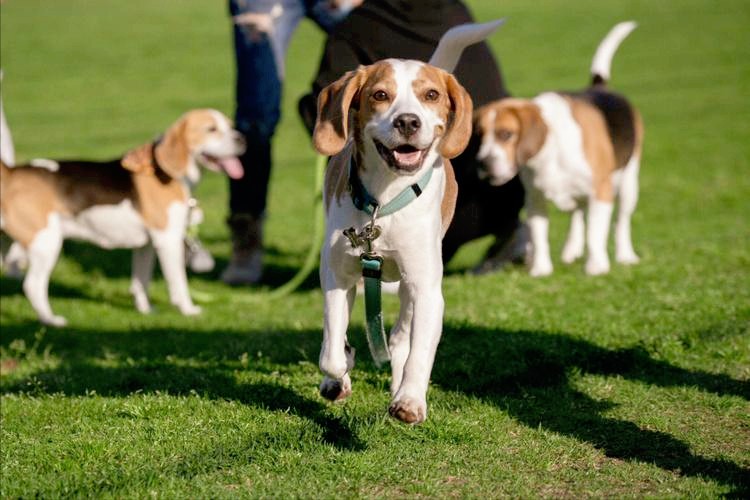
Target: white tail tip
<point>602,62</point>
<point>456,39</point>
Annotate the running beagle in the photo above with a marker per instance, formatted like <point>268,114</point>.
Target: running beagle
<point>139,201</point>
<point>391,129</point>
<point>576,150</point>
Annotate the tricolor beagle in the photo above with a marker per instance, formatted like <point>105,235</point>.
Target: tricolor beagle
<point>576,150</point>
<point>389,126</point>
<point>138,201</point>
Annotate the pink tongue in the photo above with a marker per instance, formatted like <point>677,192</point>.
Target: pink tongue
<point>232,167</point>
<point>407,158</point>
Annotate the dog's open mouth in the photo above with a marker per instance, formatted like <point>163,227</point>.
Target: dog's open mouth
<point>229,164</point>
<point>404,157</point>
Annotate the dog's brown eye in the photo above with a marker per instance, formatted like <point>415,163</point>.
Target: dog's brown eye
<point>212,128</point>
<point>432,95</point>
<point>504,135</point>
<point>380,95</point>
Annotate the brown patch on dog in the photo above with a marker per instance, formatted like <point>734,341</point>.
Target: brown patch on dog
<point>334,103</point>
<point>154,195</point>
<point>28,197</point>
<point>453,105</point>
<point>448,205</point>
<point>139,160</point>
<point>619,117</point>
<point>518,127</point>
<point>337,176</point>
<point>639,133</point>
<point>597,147</point>
<point>173,151</point>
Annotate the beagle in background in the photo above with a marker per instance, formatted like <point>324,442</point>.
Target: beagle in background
<point>388,127</point>
<point>576,149</point>
<point>139,201</point>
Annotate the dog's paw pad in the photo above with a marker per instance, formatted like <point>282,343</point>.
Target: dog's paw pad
<point>334,390</point>
<point>407,411</point>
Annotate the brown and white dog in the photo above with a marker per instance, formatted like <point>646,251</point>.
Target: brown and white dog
<point>138,201</point>
<point>391,121</point>
<point>576,150</point>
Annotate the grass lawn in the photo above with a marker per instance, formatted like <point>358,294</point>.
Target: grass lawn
<point>627,385</point>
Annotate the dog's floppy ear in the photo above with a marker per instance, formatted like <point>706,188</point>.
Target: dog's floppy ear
<point>459,119</point>
<point>139,160</point>
<point>172,153</point>
<point>533,132</point>
<point>332,125</point>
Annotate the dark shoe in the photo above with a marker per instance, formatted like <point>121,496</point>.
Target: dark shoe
<point>246,264</point>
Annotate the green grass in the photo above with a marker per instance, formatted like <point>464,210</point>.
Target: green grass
<point>633,384</point>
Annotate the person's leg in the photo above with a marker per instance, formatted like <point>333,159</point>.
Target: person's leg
<point>262,30</point>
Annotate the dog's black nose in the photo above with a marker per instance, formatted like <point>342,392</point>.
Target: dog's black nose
<point>407,124</point>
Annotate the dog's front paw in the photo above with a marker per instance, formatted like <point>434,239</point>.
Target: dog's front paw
<point>408,410</point>
<point>596,267</point>
<point>539,270</point>
<point>190,310</point>
<point>54,320</point>
<point>336,390</point>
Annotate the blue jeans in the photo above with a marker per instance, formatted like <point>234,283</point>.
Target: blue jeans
<point>260,48</point>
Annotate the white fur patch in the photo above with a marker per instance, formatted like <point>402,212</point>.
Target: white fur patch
<point>560,170</point>
<point>109,226</point>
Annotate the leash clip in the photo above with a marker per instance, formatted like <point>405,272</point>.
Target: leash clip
<point>364,238</point>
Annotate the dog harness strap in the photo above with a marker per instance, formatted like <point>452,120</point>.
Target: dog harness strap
<point>374,329</point>
<point>366,202</point>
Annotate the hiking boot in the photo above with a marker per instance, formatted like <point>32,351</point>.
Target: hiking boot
<point>246,264</point>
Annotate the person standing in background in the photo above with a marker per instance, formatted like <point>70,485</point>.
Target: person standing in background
<point>262,31</point>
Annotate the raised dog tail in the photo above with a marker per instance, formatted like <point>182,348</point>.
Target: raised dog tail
<point>602,62</point>
<point>455,40</point>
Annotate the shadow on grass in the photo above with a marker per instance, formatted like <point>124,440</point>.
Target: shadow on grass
<point>144,362</point>
<point>526,374</point>
<point>117,264</point>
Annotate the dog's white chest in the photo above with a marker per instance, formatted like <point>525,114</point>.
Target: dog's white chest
<point>561,170</point>
<point>109,226</point>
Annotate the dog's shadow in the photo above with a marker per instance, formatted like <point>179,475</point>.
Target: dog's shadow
<point>528,375</point>
<point>524,374</point>
<point>279,267</point>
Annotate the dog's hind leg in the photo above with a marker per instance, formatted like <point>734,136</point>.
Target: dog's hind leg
<point>597,233</point>
<point>143,267</point>
<point>43,253</point>
<point>628,197</point>
<point>576,242</point>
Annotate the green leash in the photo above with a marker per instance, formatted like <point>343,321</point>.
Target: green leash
<point>313,255</point>
<point>371,262</point>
